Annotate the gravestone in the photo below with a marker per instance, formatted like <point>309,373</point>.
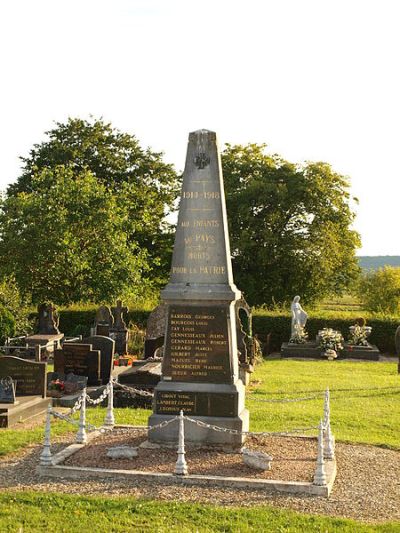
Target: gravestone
<point>155,330</point>
<point>119,331</point>
<point>103,321</point>
<point>7,390</point>
<point>80,359</point>
<point>200,372</point>
<point>48,319</point>
<point>49,335</point>
<point>30,390</point>
<point>107,348</point>
<point>29,375</point>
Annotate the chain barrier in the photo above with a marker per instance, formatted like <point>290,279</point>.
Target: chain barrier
<point>66,418</point>
<point>385,391</point>
<point>283,400</point>
<point>102,397</point>
<point>355,389</point>
<point>249,433</point>
<point>135,391</point>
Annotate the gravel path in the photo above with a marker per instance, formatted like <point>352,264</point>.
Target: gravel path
<point>367,485</point>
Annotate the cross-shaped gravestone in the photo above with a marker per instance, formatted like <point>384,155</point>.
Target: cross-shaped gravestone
<point>118,313</point>
<point>119,331</point>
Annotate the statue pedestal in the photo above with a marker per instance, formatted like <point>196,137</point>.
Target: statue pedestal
<point>308,350</point>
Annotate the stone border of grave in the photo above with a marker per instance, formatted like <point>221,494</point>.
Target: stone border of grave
<point>58,470</point>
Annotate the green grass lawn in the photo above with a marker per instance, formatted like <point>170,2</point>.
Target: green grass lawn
<point>365,398</point>
<point>30,512</point>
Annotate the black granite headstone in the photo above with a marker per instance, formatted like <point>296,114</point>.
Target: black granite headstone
<point>29,375</point>
<point>80,359</point>
<point>107,348</point>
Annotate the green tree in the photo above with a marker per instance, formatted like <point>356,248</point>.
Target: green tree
<point>379,290</point>
<point>66,240</point>
<point>12,300</point>
<point>139,177</point>
<point>289,226</point>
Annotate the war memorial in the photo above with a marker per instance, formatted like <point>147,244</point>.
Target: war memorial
<point>200,371</point>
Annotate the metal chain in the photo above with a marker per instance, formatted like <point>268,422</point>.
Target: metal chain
<point>355,389</point>
<point>102,397</point>
<point>66,418</point>
<point>136,391</point>
<point>284,400</point>
<point>258,434</point>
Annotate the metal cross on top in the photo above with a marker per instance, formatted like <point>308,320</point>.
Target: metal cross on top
<point>118,312</point>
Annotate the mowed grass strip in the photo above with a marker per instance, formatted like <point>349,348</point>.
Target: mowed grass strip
<point>365,398</point>
<point>30,512</point>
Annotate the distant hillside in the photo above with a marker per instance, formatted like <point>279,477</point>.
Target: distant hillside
<point>373,262</point>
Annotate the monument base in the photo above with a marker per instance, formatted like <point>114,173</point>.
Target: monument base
<point>368,353</point>
<point>198,435</point>
<point>220,404</point>
<point>308,349</point>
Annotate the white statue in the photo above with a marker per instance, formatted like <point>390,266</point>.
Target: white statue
<point>299,316</point>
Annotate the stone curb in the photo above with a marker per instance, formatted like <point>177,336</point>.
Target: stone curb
<point>58,471</point>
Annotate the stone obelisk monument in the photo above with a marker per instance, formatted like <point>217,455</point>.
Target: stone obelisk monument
<point>200,372</point>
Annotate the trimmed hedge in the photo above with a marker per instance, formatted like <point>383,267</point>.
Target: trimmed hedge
<point>70,319</point>
<point>277,327</point>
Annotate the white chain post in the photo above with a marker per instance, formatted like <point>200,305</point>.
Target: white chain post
<point>81,437</point>
<point>181,466</point>
<point>329,445</point>
<point>320,475</point>
<point>45,456</point>
<point>109,420</point>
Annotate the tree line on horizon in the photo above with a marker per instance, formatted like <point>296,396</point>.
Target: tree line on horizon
<point>87,221</point>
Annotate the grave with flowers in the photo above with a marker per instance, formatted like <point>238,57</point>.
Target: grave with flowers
<point>331,344</point>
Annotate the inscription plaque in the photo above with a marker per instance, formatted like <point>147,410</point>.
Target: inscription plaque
<point>7,390</point>
<point>196,403</point>
<point>197,344</point>
<point>29,375</point>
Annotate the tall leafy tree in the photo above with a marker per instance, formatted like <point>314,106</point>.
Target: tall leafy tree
<point>139,177</point>
<point>66,240</point>
<point>290,226</point>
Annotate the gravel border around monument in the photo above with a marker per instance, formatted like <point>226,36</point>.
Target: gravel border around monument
<point>294,457</point>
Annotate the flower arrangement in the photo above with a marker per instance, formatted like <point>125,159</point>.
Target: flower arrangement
<point>124,360</point>
<point>330,339</point>
<point>358,335</point>
<point>300,335</point>
<point>57,385</point>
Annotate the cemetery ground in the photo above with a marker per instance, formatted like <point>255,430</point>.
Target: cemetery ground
<point>365,400</point>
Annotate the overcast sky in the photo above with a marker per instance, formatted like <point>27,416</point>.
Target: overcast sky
<point>314,79</point>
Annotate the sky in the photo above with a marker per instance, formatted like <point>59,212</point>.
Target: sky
<point>317,80</point>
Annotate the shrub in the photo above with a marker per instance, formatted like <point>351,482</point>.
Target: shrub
<point>380,290</point>
<point>11,299</point>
